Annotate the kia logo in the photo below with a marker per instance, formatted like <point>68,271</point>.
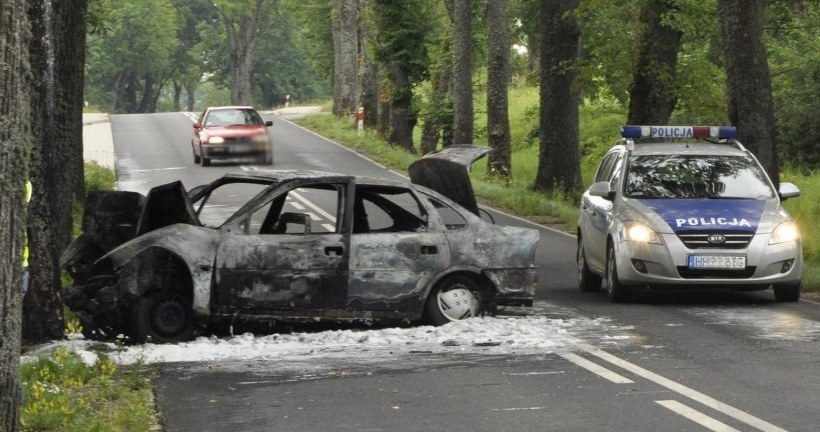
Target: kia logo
<point>716,239</point>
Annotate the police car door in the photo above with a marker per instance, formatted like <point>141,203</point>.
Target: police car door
<point>596,212</point>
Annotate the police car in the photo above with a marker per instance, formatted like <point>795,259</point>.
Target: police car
<point>686,207</point>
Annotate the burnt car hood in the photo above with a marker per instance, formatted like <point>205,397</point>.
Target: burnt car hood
<point>111,218</point>
<point>447,171</point>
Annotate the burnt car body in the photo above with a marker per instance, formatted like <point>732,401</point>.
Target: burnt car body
<point>302,245</point>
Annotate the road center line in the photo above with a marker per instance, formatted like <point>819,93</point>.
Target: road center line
<point>696,416</point>
<point>596,369</point>
<point>316,208</point>
<point>686,391</point>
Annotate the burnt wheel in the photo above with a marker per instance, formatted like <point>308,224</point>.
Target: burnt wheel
<point>163,317</point>
<point>453,299</point>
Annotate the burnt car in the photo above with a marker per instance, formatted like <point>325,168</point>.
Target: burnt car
<point>296,246</point>
<point>228,132</point>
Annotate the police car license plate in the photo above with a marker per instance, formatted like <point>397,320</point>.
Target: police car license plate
<point>717,262</point>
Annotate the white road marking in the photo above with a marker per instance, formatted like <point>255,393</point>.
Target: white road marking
<point>314,217</point>
<point>329,227</point>
<point>159,169</point>
<point>596,369</point>
<point>686,391</point>
<point>518,409</point>
<point>316,208</point>
<point>696,416</point>
<point>296,205</point>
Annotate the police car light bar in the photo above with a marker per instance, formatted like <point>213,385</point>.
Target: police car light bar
<point>720,132</point>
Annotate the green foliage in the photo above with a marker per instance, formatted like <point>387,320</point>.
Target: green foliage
<point>794,58</point>
<point>98,177</point>
<point>61,393</point>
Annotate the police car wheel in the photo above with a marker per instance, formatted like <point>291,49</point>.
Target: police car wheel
<point>787,293</point>
<point>615,290</point>
<point>587,280</point>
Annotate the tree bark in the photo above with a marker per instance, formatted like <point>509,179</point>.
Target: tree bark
<point>462,72</point>
<point>15,150</point>
<point>559,159</point>
<point>57,45</point>
<point>748,82</point>
<point>346,56</point>
<point>652,96</point>
<point>498,76</point>
<point>368,72</point>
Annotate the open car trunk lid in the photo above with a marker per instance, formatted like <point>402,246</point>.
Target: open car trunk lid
<point>447,171</point>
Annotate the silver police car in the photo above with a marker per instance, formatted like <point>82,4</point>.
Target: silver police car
<point>686,207</point>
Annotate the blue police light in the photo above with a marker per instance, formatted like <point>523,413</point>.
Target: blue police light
<point>720,132</point>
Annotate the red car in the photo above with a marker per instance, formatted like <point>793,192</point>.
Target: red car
<point>230,132</point>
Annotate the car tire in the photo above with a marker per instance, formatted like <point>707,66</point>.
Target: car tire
<point>163,317</point>
<point>587,280</point>
<point>787,293</point>
<point>455,298</point>
<point>615,290</point>
<point>196,156</point>
<point>206,161</point>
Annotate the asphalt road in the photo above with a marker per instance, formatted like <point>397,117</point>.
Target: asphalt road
<point>691,362</point>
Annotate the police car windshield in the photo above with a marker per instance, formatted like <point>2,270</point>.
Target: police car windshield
<point>696,176</point>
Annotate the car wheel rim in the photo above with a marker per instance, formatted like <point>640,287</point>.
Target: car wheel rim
<point>168,318</point>
<point>457,304</point>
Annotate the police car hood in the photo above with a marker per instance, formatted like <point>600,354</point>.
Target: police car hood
<point>709,214</point>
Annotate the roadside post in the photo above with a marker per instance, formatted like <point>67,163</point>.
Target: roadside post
<point>360,121</point>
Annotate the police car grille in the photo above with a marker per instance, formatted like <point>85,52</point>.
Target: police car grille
<point>687,273</point>
<point>699,239</point>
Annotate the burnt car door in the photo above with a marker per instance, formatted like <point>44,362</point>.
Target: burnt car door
<point>394,252</point>
<point>286,254</point>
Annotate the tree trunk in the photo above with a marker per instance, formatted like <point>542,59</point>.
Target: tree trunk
<point>748,82</point>
<point>402,118</point>
<point>368,72</point>
<point>242,26</point>
<point>462,72</point>
<point>147,99</point>
<point>346,56</point>
<point>57,53</point>
<point>498,75</point>
<point>15,141</point>
<point>652,96</point>
<point>559,159</point>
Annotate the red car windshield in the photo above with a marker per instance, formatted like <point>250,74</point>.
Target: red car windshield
<point>232,117</point>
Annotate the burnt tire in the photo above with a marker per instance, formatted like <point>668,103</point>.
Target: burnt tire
<point>453,299</point>
<point>615,290</point>
<point>587,280</point>
<point>163,317</point>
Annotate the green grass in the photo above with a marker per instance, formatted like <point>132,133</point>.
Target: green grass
<point>61,393</point>
<point>599,124</point>
<point>806,210</point>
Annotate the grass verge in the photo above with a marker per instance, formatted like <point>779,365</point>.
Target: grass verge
<point>66,392</point>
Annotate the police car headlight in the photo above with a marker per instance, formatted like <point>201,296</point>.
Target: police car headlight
<point>639,232</point>
<point>785,232</point>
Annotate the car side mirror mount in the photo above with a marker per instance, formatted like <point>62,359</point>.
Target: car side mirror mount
<point>788,190</point>
<point>268,123</point>
<point>287,218</point>
<point>603,190</point>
